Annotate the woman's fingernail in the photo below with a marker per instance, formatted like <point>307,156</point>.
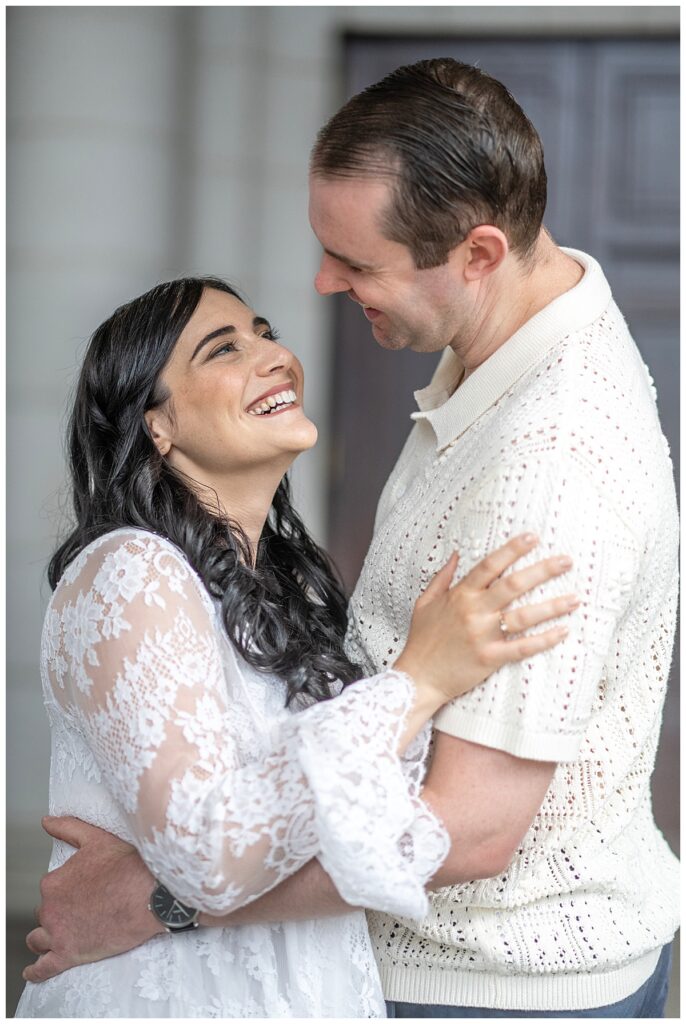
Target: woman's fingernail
<point>530,538</point>
<point>573,602</point>
<point>565,562</point>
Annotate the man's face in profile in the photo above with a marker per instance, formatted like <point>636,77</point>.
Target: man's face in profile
<point>407,308</point>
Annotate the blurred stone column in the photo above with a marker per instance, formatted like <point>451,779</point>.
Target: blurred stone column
<point>96,118</point>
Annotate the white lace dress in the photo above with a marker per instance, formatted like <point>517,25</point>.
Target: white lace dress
<point>162,735</point>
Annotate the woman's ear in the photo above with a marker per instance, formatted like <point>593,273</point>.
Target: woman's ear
<point>159,429</point>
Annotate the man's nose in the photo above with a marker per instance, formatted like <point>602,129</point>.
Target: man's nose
<point>330,278</point>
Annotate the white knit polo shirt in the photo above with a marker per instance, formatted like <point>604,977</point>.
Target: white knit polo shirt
<point>557,433</point>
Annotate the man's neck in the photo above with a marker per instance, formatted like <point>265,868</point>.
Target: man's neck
<point>513,299</point>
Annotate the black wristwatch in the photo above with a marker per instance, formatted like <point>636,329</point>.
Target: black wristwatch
<point>174,915</point>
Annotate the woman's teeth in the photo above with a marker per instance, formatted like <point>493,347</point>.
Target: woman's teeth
<point>279,401</point>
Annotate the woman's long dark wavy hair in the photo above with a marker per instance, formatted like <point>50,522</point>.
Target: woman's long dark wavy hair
<point>287,614</point>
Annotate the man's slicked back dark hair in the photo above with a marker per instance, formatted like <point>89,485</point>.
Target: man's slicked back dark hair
<point>459,152</point>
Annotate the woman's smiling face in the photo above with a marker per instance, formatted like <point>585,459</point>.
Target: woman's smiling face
<point>226,370</point>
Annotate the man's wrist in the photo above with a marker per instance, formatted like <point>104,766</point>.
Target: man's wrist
<point>140,884</point>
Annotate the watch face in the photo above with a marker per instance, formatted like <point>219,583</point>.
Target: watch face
<point>169,910</point>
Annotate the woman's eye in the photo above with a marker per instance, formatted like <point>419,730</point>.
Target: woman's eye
<point>271,335</point>
<point>228,346</point>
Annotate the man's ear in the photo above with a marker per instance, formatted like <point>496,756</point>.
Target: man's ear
<point>487,247</point>
<point>159,429</point>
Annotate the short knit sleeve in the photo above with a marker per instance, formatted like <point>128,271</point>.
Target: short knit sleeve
<point>540,708</point>
<point>138,665</point>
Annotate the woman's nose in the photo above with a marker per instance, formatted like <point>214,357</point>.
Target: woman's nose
<point>272,358</point>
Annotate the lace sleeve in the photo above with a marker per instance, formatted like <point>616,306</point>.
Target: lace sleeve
<point>134,653</point>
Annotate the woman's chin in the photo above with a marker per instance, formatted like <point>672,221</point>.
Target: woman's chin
<point>294,436</point>
<point>305,437</point>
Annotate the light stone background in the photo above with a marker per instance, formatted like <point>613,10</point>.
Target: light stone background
<point>145,143</point>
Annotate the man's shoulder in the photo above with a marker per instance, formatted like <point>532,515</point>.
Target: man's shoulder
<point>588,380</point>
<point>586,412</point>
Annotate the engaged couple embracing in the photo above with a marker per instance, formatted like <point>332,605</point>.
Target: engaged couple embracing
<point>434,802</point>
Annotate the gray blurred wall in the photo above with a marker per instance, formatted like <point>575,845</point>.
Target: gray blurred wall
<point>144,143</point>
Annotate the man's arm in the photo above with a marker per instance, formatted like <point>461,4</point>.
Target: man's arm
<point>113,885</point>
<point>306,894</point>
<point>486,799</point>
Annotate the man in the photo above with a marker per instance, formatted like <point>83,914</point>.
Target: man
<point>558,895</point>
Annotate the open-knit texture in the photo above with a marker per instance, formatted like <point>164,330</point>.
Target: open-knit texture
<point>557,433</point>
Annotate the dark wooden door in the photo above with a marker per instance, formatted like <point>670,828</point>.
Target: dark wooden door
<point>607,112</point>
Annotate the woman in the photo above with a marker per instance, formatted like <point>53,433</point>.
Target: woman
<point>192,616</point>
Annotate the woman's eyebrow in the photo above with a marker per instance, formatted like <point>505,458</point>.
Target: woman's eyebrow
<point>258,321</point>
<point>229,329</point>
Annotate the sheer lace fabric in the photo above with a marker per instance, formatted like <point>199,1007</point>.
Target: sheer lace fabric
<point>162,735</point>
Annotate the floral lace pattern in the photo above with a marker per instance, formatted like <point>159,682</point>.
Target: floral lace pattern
<point>164,736</point>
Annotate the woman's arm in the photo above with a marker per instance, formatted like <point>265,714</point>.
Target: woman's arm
<point>136,659</point>
<point>114,885</point>
<point>317,731</point>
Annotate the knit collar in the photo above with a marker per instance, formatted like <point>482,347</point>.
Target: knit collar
<point>450,415</point>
